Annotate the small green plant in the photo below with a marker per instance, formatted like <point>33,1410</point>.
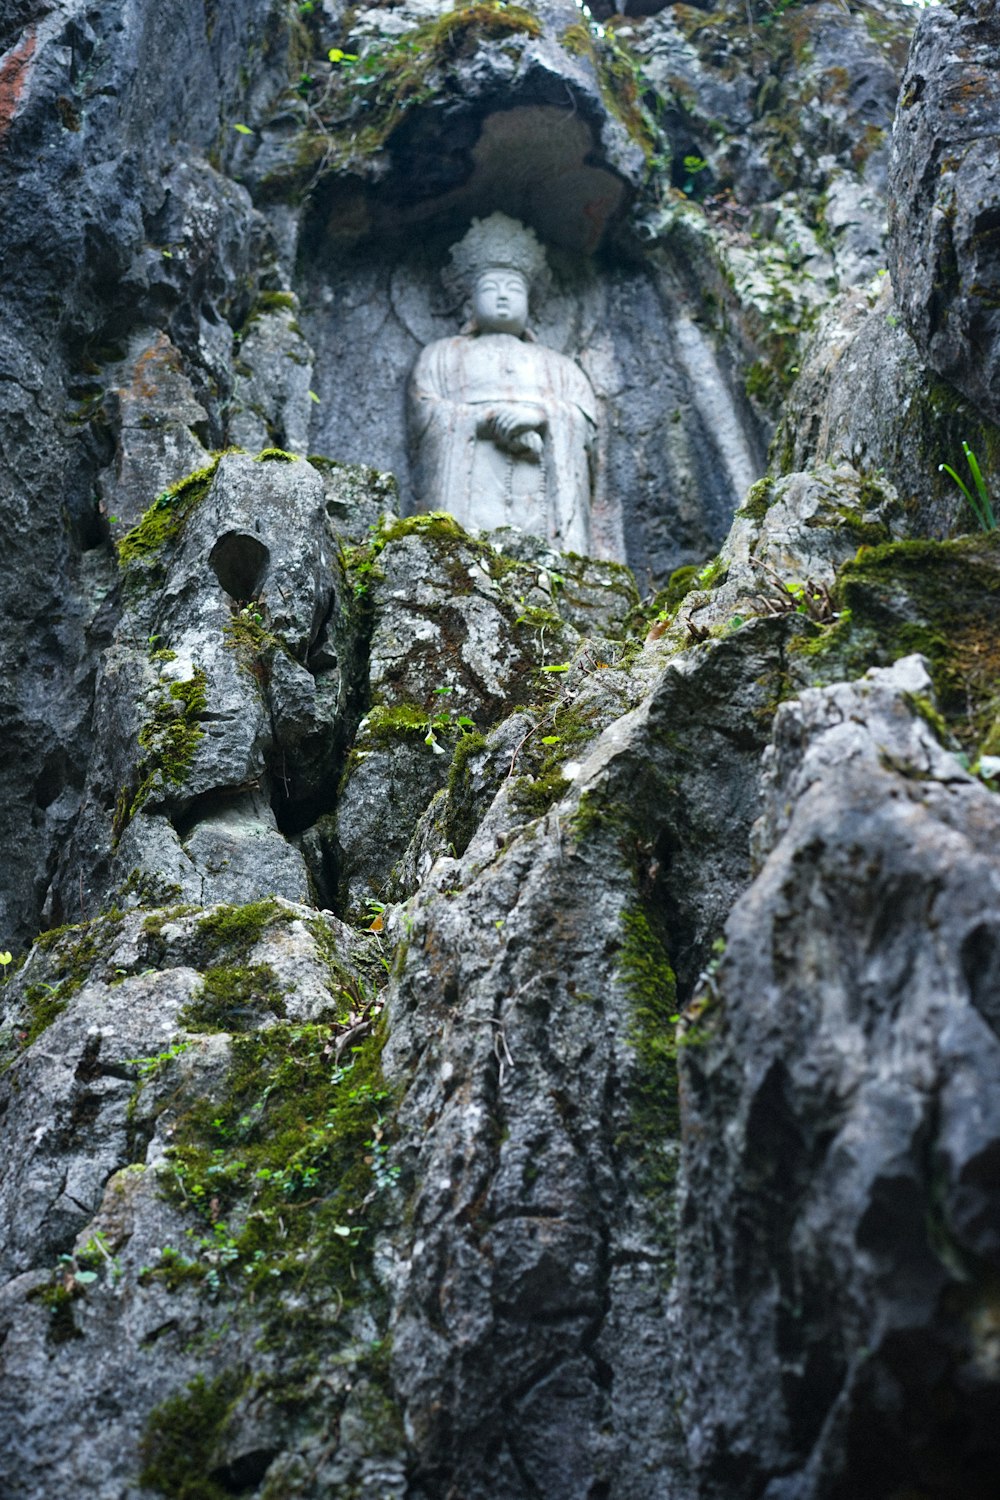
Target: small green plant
<point>5,959</point>
<point>774,10</point>
<point>980,502</point>
<point>96,1256</point>
<point>692,166</point>
<point>444,723</point>
<point>149,1066</point>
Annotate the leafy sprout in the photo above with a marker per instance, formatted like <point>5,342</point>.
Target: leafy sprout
<point>979,497</point>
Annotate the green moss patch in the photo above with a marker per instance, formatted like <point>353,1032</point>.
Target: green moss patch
<point>234,998</point>
<point>368,99</point>
<point>70,955</point>
<point>559,734</point>
<point>235,930</point>
<point>941,599</point>
<point>645,971</point>
<point>167,741</point>
<point>534,795</point>
<point>182,1443</point>
<point>284,1169</point>
<point>459,809</point>
<point>682,581</point>
<point>758,500</point>
<point>247,634</point>
<point>140,551</point>
<point>622,85</point>
<point>59,1299</point>
<point>275,455</point>
<point>265,303</point>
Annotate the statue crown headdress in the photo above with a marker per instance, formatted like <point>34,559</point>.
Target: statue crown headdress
<point>498,241</point>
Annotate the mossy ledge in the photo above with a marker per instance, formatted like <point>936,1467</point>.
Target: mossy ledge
<point>372,97</point>
<point>140,550</point>
<point>941,599</point>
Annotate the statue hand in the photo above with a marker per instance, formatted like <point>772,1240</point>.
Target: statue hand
<point>516,430</point>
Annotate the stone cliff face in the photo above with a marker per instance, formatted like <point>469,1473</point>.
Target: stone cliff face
<point>481,1022</point>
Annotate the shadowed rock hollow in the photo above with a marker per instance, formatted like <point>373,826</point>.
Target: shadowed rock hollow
<point>483,1022</point>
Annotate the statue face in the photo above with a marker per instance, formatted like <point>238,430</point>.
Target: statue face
<point>500,302</point>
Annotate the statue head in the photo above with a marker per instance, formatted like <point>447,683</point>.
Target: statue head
<point>500,301</point>
<point>497,262</point>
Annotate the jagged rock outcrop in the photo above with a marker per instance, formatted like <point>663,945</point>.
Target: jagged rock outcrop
<point>122,247</point>
<point>839,1236</point>
<point>509,1037</point>
<point>179,1264</point>
<point>946,221</point>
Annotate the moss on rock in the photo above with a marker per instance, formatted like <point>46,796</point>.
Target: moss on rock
<point>645,970</point>
<point>140,550</point>
<point>235,930</point>
<point>65,958</point>
<point>284,1168</point>
<point>182,1442</point>
<point>622,84</point>
<point>758,500</point>
<point>941,599</point>
<point>233,997</point>
<point>167,741</point>
<point>368,101</point>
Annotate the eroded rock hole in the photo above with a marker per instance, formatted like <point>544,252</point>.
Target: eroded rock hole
<point>981,968</point>
<point>239,561</point>
<point>244,1472</point>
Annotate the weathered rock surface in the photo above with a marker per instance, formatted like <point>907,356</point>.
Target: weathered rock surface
<point>122,239</point>
<point>946,216</point>
<point>529,1018</point>
<point>120,1240</point>
<point>225,697</point>
<point>865,395</point>
<point>289,1209</point>
<point>839,1235</point>
<point>461,633</point>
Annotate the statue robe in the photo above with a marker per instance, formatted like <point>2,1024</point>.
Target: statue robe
<point>454,386</point>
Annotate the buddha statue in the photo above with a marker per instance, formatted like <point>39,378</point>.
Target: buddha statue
<point>503,429</point>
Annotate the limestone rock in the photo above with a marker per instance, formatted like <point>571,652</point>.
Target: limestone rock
<point>864,394</point>
<point>784,551</point>
<point>291,1210</point>
<point>460,634</point>
<point>116,1036</point>
<point>275,371</point>
<point>161,430</point>
<point>835,1226</point>
<point>946,200</point>
<point>227,690</point>
<point>532,968</point>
